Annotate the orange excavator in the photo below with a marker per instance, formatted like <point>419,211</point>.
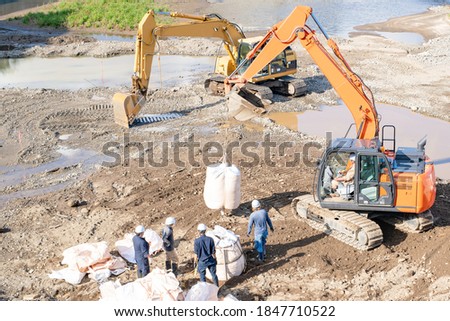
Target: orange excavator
<point>358,180</point>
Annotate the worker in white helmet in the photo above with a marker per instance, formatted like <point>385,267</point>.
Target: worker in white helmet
<point>141,252</point>
<point>205,250</point>
<point>260,218</point>
<point>169,246</point>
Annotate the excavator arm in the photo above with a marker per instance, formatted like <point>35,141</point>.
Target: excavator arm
<point>126,105</point>
<point>346,83</point>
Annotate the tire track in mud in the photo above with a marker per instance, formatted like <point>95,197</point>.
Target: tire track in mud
<point>97,117</point>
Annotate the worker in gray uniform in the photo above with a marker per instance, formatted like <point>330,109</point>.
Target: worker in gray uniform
<point>169,246</point>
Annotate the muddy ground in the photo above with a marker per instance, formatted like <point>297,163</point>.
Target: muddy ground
<point>302,264</point>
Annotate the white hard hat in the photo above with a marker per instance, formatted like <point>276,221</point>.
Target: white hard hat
<point>170,220</point>
<point>139,229</point>
<point>352,157</point>
<point>201,227</point>
<point>256,204</point>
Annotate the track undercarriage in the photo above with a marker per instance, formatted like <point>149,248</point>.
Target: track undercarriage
<point>352,228</point>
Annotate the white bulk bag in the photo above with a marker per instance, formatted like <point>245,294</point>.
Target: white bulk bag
<point>71,275</point>
<point>230,257</point>
<point>158,285</point>
<point>84,255</point>
<point>202,291</point>
<point>126,249</point>
<point>214,194</point>
<point>232,187</point>
<point>156,242</point>
<point>222,187</point>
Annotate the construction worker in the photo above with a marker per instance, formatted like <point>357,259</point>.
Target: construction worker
<point>169,246</point>
<point>141,252</point>
<point>205,250</point>
<point>345,178</point>
<point>259,218</point>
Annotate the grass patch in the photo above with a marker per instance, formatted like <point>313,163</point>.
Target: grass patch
<point>110,14</point>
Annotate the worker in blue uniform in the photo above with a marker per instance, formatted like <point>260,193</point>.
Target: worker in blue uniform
<point>260,219</point>
<point>141,252</point>
<point>205,250</point>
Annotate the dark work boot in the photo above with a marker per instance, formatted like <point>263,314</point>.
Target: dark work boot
<point>168,267</point>
<point>175,269</point>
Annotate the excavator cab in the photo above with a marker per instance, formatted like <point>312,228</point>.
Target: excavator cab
<point>284,64</point>
<point>365,182</point>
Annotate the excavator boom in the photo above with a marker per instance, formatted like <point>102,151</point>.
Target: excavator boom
<point>346,83</point>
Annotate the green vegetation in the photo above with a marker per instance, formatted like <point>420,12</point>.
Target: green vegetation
<point>111,14</point>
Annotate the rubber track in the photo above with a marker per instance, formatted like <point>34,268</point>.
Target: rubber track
<point>373,231</point>
<point>263,92</point>
<point>301,88</point>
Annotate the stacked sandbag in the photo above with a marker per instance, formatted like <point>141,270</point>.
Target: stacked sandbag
<point>92,258</point>
<point>158,285</point>
<point>230,257</point>
<point>222,187</point>
<point>126,249</point>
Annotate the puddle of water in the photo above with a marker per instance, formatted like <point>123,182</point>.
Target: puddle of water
<point>87,72</point>
<point>410,128</point>
<point>411,38</point>
<point>16,175</point>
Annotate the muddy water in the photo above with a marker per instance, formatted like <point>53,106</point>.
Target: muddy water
<point>87,72</point>
<point>338,17</point>
<point>410,128</point>
<point>72,165</point>
<point>406,37</point>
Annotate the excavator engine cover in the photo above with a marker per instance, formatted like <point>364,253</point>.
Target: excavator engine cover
<point>244,105</point>
<point>126,108</point>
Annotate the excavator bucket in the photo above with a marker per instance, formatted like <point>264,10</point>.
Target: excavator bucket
<point>126,107</point>
<point>244,105</point>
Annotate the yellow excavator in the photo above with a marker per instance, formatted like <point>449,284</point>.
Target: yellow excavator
<point>274,76</point>
<point>358,180</point>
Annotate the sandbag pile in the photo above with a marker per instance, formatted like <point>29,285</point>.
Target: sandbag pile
<point>230,257</point>
<point>158,285</point>
<point>126,249</point>
<point>92,258</point>
<point>222,187</point>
